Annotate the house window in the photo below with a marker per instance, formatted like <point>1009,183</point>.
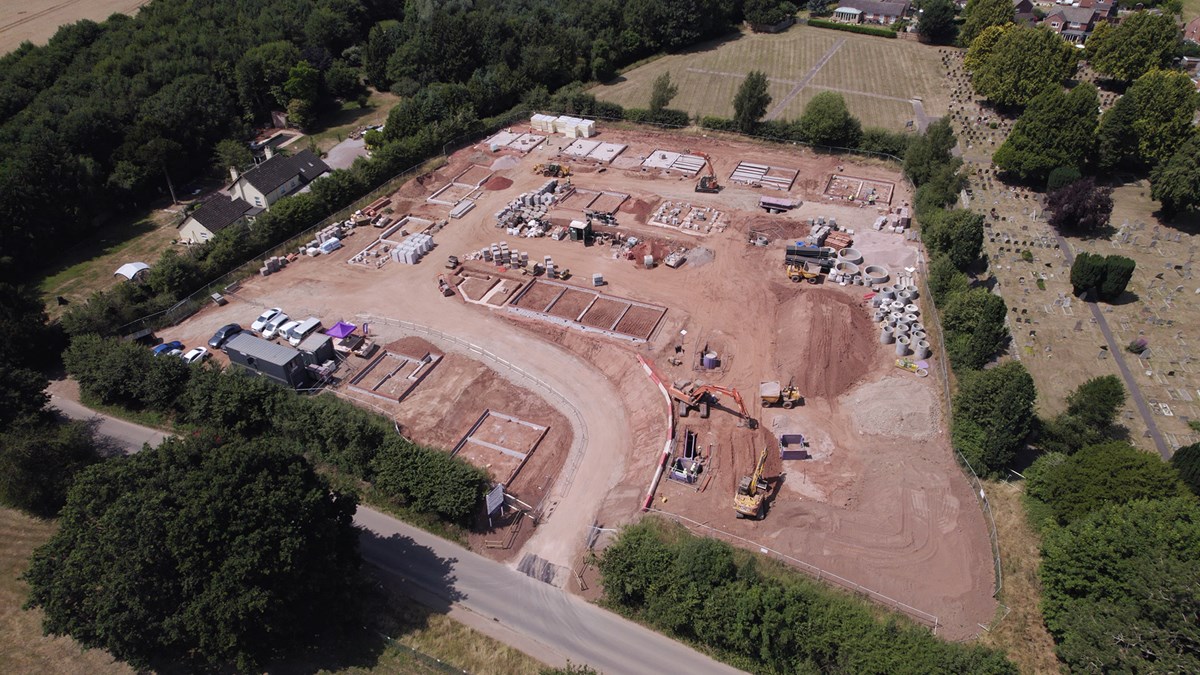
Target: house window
<point>257,201</point>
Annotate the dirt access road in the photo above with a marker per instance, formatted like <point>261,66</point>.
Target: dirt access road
<point>881,503</point>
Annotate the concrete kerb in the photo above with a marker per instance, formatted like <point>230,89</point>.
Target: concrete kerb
<point>574,455</point>
<point>921,616</point>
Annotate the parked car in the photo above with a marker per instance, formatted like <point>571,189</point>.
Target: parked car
<point>286,329</point>
<point>275,326</point>
<point>305,328</point>
<point>167,348</point>
<point>223,334</point>
<point>265,318</point>
<point>196,355</point>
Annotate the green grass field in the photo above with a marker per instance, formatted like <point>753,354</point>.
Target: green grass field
<point>876,76</point>
<point>1191,9</point>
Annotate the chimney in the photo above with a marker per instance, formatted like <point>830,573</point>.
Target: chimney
<point>233,173</point>
<point>269,151</point>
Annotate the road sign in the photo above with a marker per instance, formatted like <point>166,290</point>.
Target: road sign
<point>495,499</point>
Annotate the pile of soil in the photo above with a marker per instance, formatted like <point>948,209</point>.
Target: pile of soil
<point>640,209</point>
<point>826,342</point>
<point>498,183</point>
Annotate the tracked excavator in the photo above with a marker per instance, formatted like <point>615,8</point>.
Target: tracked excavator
<point>751,497</point>
<point>708,182</point>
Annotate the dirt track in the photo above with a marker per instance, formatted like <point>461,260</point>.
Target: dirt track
<point>881,502</point>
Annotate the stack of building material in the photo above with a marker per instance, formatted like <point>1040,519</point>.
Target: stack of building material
<point>690,164</point>
<point>376,206</point>
<point>460,209</point>
<point>838,240</point>
<point>543,123</point>
<point>413,248</point>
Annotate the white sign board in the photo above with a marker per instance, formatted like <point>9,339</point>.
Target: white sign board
<point>495,499</point>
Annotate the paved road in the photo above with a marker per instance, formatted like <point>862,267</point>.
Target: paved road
<point>1115,350</point>
<point>125,436</point>
<point>546,622</point>
<point>563,623</point>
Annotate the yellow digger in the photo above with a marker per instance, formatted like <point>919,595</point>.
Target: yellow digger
<point>750,500</point>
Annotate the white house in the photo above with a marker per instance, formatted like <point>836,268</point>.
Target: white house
<point>213,215</point>
<point>277,177</point>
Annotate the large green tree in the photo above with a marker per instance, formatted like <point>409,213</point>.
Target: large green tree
<point>929,151</point>
<point>993,415</point>
<point>1121,588</point>
<point>38,463</point>
<point>1099,475</point>
<point>751,101</point>
<point>1057,129</point>
<point>1021,63</point>
<point>1166,103</point>
<point>1082,208</point>
<point>1116,141</point>
<point>980,15</point>
<point>1186,461</point>
<point>945,279</point>
<point>1175,183</point>
<point>958,233</point>
<point>936,24</point>
<point>826,121</point>
<point>662,93</point>
<point>1140,42</point>
<point>975,330</point>
<point>199,553</point>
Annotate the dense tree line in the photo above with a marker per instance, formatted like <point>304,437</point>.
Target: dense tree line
<point>39,455</point>
<point>993,409</point>
<point>330,431</point>
<point>107,114</point>
<point>763,618</point>
<point>200,553</point>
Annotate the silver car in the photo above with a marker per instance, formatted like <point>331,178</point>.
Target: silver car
<point>272,328</point>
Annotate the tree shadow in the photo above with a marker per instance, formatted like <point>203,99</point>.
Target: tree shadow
<point>403,584</point>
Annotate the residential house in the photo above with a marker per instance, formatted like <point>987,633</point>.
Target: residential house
<point>277,177</point>
<point>1023,13</point>
<point>213,215</point>
<point>1191,32</point>
<point>881,12</point>
<point>1076,22</point>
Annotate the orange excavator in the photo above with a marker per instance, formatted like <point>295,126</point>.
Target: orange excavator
<point>690,397</point>
<point>708,182</point>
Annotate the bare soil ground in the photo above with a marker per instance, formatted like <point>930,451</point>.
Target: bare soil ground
<point>882,503</point>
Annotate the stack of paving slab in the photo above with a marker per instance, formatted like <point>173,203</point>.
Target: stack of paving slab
<point>575,127</point>
<point>413,248</point>
<point>750,172</point>
<point>543,123</point>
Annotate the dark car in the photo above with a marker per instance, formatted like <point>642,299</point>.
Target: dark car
<point>167,347</point>
<point>223,334</point>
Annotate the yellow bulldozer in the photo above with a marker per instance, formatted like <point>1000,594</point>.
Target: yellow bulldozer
<point>751,497</point>
<point>774,394</point>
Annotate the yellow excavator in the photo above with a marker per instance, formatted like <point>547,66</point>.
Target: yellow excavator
<point>749,502</point>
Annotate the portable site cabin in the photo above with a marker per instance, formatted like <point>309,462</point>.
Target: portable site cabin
<point>261,357</point>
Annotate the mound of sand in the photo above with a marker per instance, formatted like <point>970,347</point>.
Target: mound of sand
<point>498,183</point>
<point>826,342</point>
<point>900,406</point>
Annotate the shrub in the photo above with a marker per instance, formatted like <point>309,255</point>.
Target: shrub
<point>853,28</point>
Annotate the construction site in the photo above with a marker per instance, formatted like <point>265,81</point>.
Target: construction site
<point>616,322</point>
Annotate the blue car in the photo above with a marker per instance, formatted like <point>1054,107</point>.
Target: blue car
<point>167,348</point>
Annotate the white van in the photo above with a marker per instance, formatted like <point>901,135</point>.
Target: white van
<point>307,327</point>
